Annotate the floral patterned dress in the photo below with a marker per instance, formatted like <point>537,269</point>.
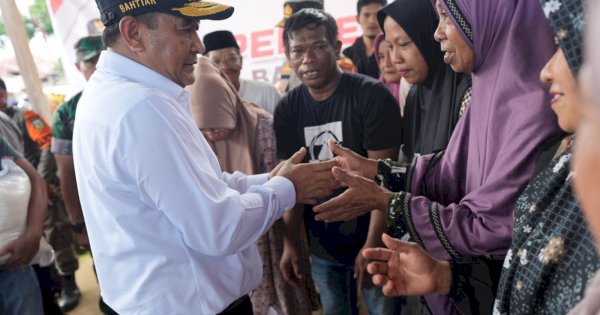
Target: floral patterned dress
<point>552,257</point>
<point>275,292</point>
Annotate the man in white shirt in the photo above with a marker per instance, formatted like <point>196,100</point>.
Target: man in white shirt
<point>223,50</point>
<point>171,233</point>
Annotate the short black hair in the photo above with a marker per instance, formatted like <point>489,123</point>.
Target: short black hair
<point>361,3</point>
<point>310,18</point>
<point>111,33</point>
<point>2,85</point>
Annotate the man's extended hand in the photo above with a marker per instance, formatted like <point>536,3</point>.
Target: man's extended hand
<point>361,197</point>
<point>22,250</point>
<point>404,268</point>
<point>311,181</point>
<point>290,267</point>
<point>353,162</point>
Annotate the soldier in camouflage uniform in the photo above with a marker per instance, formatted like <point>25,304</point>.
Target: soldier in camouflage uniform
<point>88,51</point>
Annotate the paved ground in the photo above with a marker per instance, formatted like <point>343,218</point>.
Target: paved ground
<point>89,288</point>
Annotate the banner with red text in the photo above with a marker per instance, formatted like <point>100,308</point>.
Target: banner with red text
<point>253,24</point>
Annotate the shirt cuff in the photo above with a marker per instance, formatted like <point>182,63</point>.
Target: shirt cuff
<point>256,180</point>
<point>284,190</point>
<point>61,146</point>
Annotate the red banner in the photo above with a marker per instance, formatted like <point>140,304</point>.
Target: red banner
<point>55,5</point>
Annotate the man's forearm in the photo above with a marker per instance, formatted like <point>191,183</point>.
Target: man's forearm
<point>377,227</point>
<point>293,221</point>
<point>68,187</point>
<point>38,201</point>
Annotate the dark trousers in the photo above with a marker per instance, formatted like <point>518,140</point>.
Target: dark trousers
<point>241,306</point>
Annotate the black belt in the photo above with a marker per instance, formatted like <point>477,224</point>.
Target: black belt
<point>232,308</point>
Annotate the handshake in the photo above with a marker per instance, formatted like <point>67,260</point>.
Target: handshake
<point>317,180</point>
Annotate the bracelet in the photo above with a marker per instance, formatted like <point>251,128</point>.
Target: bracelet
<point>391,175</point>
<point>78,227</point>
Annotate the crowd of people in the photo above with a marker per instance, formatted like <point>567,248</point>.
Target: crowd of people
<point>445,163</point>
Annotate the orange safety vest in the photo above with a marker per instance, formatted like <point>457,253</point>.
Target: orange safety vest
<point>39,131</point>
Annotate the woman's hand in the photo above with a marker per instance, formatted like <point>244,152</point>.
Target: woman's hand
<point>361,197</point>
<point>353,162</point>
<point>404,268</point>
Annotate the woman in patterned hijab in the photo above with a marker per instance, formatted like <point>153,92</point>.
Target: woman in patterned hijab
<point>552,257</point>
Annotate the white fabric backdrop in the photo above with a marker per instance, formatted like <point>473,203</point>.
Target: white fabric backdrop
<point>253,23</point>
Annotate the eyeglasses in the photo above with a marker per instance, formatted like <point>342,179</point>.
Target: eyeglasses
<point>227,59</point>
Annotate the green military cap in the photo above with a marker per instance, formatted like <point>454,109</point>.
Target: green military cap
<point>88,47</point>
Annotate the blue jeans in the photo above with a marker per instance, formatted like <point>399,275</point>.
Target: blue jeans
<point>20,293</point>
<point>338,290</point>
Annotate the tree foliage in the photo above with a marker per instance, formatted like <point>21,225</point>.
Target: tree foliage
<point>40,16</point>
<point>39,20</point>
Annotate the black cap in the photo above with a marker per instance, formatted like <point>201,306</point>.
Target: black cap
<point>292,6</point>
<point>219,40</point>
<point>111,11</point>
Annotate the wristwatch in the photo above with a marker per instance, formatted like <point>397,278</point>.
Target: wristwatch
<point>78,227</point>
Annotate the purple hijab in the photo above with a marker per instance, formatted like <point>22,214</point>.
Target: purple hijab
<point>460,203</point>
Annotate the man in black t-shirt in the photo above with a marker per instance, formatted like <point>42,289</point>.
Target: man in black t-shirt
<point>359,113</point>
<point>361,52</point>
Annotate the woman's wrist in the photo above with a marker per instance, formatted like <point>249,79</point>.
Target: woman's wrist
<point>384,200</point>
<point>443,276</point>
<point>370,169</point>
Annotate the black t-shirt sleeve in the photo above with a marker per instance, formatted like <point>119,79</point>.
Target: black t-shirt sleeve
<point>7,151</point>
<point>382,121</point>
<point>285,126</point>
<point>348,52</point>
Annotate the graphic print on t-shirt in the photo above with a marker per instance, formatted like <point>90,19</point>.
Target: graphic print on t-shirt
<point>316,138</point>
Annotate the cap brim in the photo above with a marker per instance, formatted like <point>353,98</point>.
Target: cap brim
<point>88,56</point>
<point>204,10</point>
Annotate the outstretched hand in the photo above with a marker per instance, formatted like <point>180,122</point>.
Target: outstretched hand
<point>352,161</point>
<point>311,180</point>
<point>404,268</point>
<point>361,197</point>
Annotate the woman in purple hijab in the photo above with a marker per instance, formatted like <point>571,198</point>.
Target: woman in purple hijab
<point>459,203</point>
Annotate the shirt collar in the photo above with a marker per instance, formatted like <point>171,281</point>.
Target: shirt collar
<point>120,65</point>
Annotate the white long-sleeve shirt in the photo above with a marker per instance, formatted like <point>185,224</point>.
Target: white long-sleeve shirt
<point>170,233</point>
<point>260,93</point>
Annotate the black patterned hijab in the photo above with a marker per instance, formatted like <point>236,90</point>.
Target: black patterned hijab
<point>566,17</point>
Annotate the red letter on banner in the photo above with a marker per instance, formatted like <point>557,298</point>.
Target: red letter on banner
<point>347,28</point>
<point>260,40</point>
